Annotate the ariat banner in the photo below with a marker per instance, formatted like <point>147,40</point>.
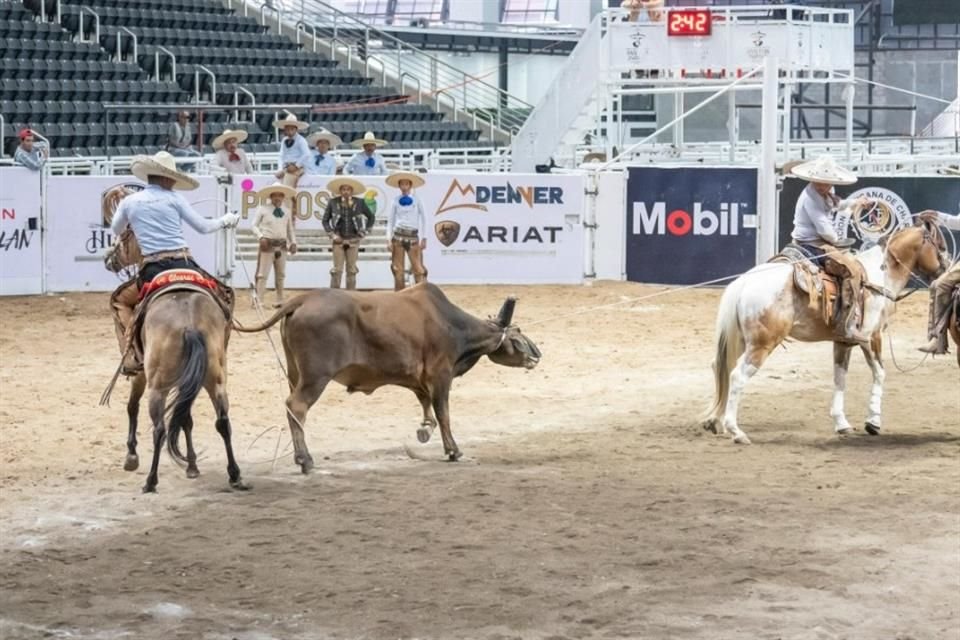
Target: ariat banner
<point>481,228</point>
<point>690,225</point>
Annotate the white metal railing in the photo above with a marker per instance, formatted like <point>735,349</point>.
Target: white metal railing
<point>120,32</point>
<point>156,62</point>
<point>96,25</point>
<point>472,99</point>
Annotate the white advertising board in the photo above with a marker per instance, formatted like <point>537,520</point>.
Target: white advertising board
<point>21,257</point>
<point>77,238</point>
<point>483,228</point>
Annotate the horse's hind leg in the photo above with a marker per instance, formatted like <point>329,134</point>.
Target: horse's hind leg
<point>157,403</point>
<point>137,388</point>
<point>841,364</point>
<point>192,470</point>
<point>222,406</point>
<point>747,365</point>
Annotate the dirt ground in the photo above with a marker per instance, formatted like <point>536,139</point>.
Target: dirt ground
<point>589,503</point>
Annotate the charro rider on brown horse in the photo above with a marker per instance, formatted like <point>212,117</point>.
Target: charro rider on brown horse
<point>941,290</point>
<point>814,233</point>
<point>155,215</point>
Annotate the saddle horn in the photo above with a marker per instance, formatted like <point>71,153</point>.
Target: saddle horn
<point>505,317</point>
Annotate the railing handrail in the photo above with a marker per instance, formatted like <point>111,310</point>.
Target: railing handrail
<point>156,63</point>
<point>213,79</point>
<point>120,31</point>
<point>96,24</point>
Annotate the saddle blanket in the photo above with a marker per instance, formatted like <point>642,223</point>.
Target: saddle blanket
<point>177,276</point>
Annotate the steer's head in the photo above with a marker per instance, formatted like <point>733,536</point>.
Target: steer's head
<point>515,349</point>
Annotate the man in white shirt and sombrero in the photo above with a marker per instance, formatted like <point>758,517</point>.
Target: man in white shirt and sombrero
<point>322,162</point>
<point>406,228</point>
<point>814,232</point>
<point>368,162</point>
<point>347,220</point>
<point>156,216</point>
<point>229,155</point>
<point>273,226</point>
<point>294,150</point>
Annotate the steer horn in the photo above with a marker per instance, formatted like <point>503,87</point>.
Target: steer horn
<point>505,317</point>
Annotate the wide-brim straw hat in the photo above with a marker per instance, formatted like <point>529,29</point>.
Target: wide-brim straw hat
<point>369,138</point>
<point>323,134</point>
<point>291,121</point>
<point>824,170</point>
<point>238,134</point>
<point>595,156</point>
<point>264,194</point>
<point>394,179</point>
<point>162,164</point>
<point>334,185</point>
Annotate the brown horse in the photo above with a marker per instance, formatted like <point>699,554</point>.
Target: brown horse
<point>184,334</point>
<point>762,308</point>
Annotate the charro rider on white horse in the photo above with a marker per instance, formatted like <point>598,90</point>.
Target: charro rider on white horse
<point>156,215</point>
<point>941,290</point>
<point>814,232</point>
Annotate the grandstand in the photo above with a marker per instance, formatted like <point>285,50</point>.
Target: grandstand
<point>62,61</point>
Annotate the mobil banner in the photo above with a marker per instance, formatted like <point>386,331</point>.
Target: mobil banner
<point>21,266</point>
<point>481,228</point>
<point>77,236</point>
<point>690,225</point>
<point>895,201</point>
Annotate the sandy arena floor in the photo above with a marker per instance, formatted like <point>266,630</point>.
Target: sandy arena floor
<point>589,503</point>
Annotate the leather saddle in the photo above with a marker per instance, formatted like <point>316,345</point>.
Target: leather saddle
<point>821,287</point>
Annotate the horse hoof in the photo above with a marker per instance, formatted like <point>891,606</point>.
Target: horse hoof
<point>148,489</point>
<point>240,485</point>
<point>845,431</point>
<point>453,457</point>
<point>872,429</point>
<point>306,467</point>
<point>193,473</point>
<point>741,439</point>
<point>710,425</point>
<point>131,463</point>
<point>423,435</point>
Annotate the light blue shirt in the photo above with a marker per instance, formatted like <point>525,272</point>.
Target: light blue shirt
<point>813,218</point>
<point>298,153</point>
<point>406,216</point>
<point>358,165</point>
<point>949,221</point>
<point>326,167</point>
<point>29,159</point>
<point>155,215</point>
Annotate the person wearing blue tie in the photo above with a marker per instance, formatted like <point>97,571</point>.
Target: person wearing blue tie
<point>322,162</point>
<point>368,162</point>
<point>294,150</point>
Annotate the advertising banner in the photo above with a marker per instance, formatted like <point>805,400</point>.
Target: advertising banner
<point>21,257</point>
<point>896,200</point>
<point>690,225</point>
<point>77,238</point>
<point>481,228</point>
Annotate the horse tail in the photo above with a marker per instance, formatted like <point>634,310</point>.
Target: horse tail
<point>283,312</point>
<point>193,372</point>
<point>729,347</point>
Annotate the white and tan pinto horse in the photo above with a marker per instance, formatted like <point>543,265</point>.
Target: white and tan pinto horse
<point>762,308</point>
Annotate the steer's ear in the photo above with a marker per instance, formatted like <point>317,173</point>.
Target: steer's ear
<point>505,317</point>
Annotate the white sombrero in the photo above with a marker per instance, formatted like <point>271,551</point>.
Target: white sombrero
<point>264,194</point>
<point>237,134</point>
<point>334,185</point>
<point>369,138</point>
<point>824,170</point>
<point>394,179</point>
<point>291,121</point>
<point>162,164</point>
<point>323,134</point>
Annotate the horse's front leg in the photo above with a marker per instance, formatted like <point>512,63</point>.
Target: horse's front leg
<point>873,355</point>
<point>133,409</point>
<point>841,364</point>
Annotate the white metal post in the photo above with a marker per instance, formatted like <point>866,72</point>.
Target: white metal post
<point>766,172</point>
<point>678,113</point>
<point>785,92</point>
<point>848,94</point>
<point>733,128</point>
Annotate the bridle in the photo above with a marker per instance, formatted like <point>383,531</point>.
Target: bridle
<point>931,235</point>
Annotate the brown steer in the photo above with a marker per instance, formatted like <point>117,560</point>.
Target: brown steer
<point>415,338</point>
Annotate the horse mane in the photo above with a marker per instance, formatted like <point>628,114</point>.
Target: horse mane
<point>125,253</point>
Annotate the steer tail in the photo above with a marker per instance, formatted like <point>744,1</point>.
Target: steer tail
<point>193,372</point>
<point>729,347</point>
<point>284,311</point>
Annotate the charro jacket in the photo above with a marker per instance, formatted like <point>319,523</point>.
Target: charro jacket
<point>351,219</point>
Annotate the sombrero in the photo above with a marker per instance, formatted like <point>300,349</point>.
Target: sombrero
<point>162,164</point>
<point>334,185</point>
<point>824,170</point>
<point>323,134</point>
<point>594,157</point>
<point>369,138</point>
<point>264,194</point>
<point>291,121</point>
<point>394,179</point>
<point>239,134</point>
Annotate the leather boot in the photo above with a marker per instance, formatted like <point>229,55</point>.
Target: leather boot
<point>351,281</point>
<point>278,282</point>
<point>335,279</point>
<point>939,306</point>
<point>260,288</point>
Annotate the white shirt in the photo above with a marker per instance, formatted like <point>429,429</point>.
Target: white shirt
<point>155,215</point>
<point>298,153</point>
<point>324,167</point>
<point>406,216</point>
<point>951,222</point>
<point>234,166</point>
<point>358,165</point>
<point>813,217</point>
<point>267,225</point>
